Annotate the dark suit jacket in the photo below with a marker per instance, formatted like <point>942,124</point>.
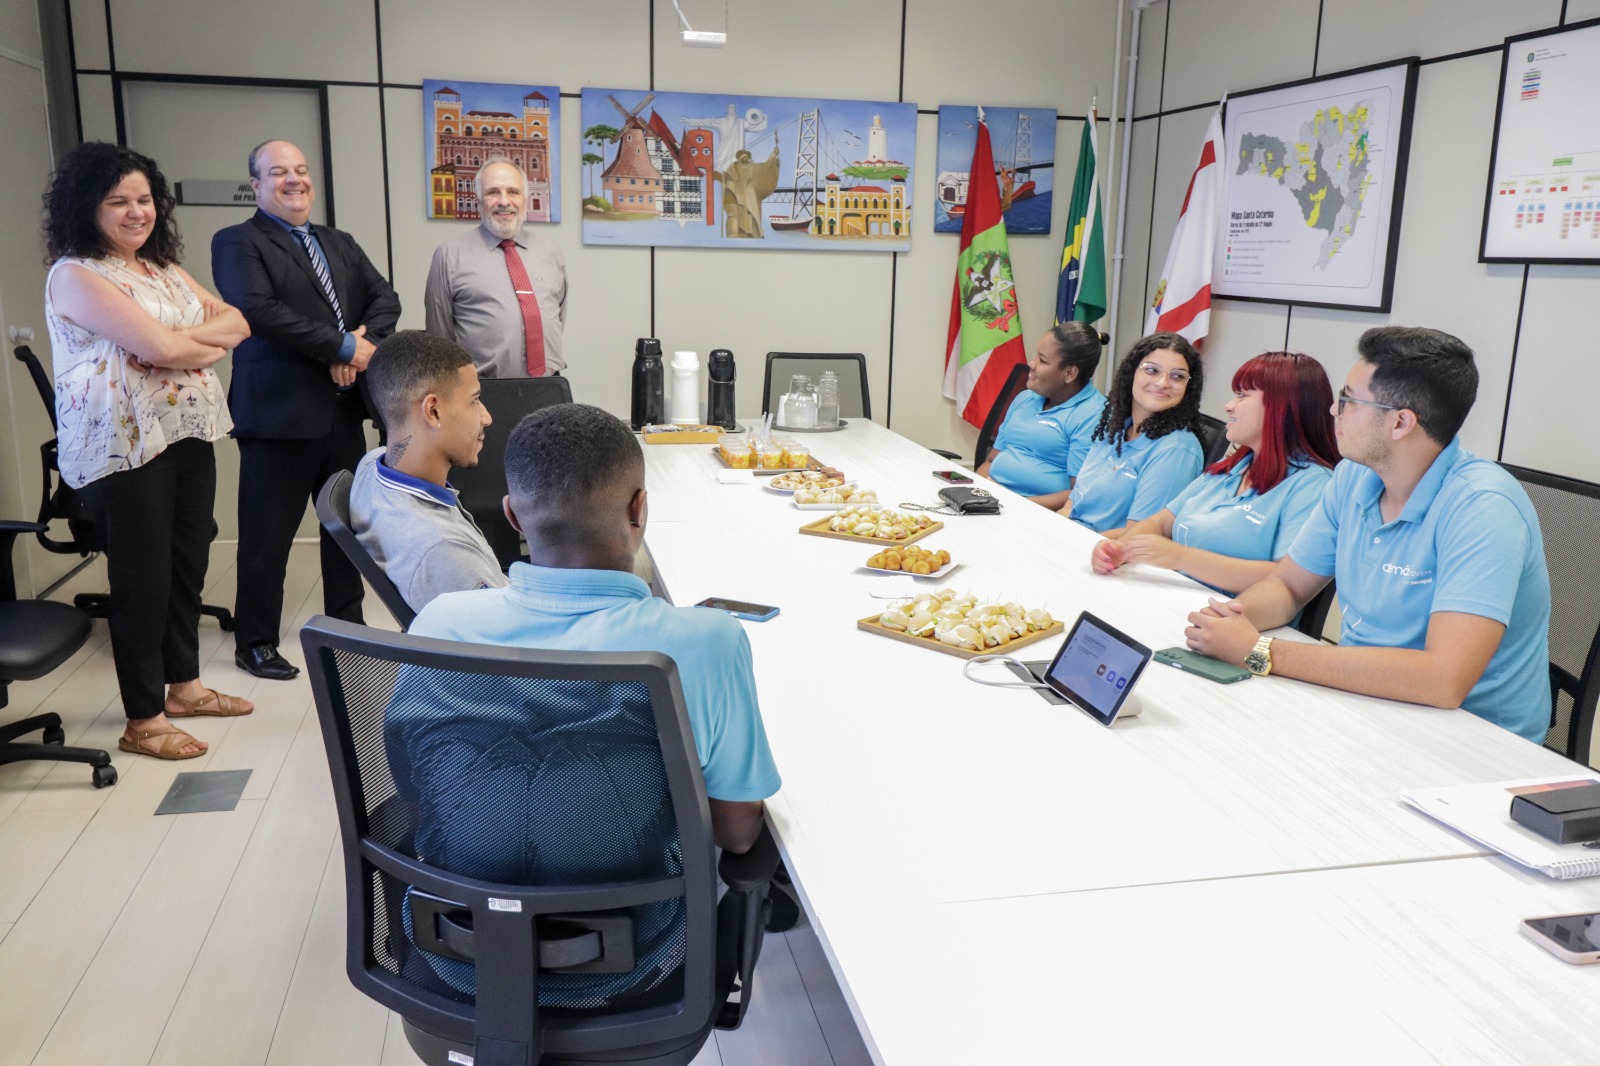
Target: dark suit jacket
<point>281,388</point>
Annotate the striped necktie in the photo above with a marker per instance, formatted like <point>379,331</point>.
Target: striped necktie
<point>319,266</point>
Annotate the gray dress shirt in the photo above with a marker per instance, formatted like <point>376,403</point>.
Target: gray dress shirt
<point>470,300</point>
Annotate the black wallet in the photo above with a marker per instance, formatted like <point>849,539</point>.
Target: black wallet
<point>965,500</point>
<point>1563,815</point>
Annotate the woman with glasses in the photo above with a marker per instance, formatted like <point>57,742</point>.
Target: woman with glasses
<point>1145,448</point>
<point>1231,524</point>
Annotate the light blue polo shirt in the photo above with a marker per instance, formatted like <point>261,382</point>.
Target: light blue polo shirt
<point>1213,515</point>
<point>608,610</point>
<point>1113,490</point>
<point>1467,541</point>
<point>1042,449</point>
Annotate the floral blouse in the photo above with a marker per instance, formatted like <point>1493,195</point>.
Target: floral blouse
<point>114,412</point>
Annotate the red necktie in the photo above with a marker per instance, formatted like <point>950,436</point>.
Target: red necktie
<point>532,322</point>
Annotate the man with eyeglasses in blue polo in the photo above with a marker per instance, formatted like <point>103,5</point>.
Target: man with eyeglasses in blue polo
<point>1439,561</point>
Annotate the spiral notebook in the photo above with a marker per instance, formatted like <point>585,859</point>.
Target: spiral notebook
<point>1483,814</point>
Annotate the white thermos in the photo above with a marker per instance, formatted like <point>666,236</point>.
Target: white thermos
<point>685,406</point>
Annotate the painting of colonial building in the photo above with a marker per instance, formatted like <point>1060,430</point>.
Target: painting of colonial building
<point>467,124</point>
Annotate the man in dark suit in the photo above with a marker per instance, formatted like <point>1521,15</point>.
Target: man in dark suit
<point>316,308</point>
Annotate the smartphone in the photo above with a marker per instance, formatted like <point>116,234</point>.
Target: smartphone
<point>752,612</point>
<point>1572,937</point>
<point>1194,663</point>
<point>955,477</point>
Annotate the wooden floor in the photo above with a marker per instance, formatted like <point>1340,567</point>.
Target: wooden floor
<point>217,939</point>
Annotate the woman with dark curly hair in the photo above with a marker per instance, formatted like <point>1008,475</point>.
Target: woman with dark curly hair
<point>1230,526</point>
<point>134,338</point>
<point>1145,449</point>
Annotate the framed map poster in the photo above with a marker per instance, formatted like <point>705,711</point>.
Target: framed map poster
<point>1315,177</point>
<point>1543,202</point>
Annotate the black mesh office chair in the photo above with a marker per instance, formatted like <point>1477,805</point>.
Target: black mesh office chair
<point>855,399</point>
<point>58,501</point>
<point>484,486</point>
<point>1569,516</point>
<point>36,636</point>
<point>333,511</point>
<point>1015,382</point>
<point>579,764</point>
<point>1314,615</point>
<point>1213,438</point>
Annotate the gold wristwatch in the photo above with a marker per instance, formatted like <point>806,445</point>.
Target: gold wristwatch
<point>1259,661</point>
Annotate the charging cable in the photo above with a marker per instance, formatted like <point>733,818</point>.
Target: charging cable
<point>966,672</point>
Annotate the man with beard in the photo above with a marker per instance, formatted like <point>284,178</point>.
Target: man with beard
<point>499,291</point>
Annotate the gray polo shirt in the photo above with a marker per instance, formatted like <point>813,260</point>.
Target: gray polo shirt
<point>419,534</point>
<point>470,300</point>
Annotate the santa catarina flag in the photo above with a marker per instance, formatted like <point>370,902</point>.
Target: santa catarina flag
<point>985,338</point>
<point>1182,302</point>
<point>1081,290</point>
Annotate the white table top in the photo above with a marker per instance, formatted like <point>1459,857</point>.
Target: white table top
<point>899,772</point>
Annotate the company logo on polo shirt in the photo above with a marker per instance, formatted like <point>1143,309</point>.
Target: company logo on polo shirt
<point>1415,576</point>
<point>1249,513</point>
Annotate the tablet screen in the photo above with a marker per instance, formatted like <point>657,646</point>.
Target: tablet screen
<point>1096,667</point>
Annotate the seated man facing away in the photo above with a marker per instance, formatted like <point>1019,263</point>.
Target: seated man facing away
<point>1438,556</point>
<point>491,787</point>
<point>401,508</point>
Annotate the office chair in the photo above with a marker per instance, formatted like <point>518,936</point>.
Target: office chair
<point>1314,615</point>
<point>333,511</point>
<point>58,501</point>
<point>36,636</point>
<point>1569,514</point>
<point>855,399</point>
<point>482,487</point>
<point>1213,434</point>
<point>1015,382</point>
<point>578,764</point>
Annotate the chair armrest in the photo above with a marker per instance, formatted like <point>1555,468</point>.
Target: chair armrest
<point>747,877</point>
<point>952,456</point>
<point>13,526</point>
<point>751,871</point>
<point>9,530</point>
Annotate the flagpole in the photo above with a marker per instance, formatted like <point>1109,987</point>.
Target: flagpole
<point>1122,189</point>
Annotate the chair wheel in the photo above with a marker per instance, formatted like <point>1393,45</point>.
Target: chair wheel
<point>105,776</point>
<point>55,735</point>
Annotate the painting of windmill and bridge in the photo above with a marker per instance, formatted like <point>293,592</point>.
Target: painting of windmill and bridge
<point>710,170</point>
<point>1023,140</point>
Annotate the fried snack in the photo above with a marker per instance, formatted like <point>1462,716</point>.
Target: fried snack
<point>882,525</point>
<point>807,479</point>
<point>911,559</point>
<point>959,620</point>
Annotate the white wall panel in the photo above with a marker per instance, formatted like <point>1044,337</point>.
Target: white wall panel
<point>96,107</point>
<point>596,42</point>
<point>776,49</point>
<point>1438,280</point>
<point>1152,57</point>
<point>19,29</point>
<point>1215,48</point>
<point>316,39</point>
<point>1551,422</point>
<point>1358,33</point>
<point>1141,260</point>
<point>360,199</point>
<point>89,34</point>
<point>1034,56</point>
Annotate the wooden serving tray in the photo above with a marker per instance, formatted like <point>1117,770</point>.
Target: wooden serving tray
<point>870,625</point>
<point>820,529</point>
<point>681,434</point>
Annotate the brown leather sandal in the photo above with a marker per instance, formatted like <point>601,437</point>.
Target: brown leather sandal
<point>169,743</point>
<point>225,706</point>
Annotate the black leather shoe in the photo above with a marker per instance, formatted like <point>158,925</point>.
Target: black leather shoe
<point>263,660</point>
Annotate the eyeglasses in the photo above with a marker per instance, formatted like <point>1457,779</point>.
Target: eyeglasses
<point>1345,397</point>
<point>1155,370</point>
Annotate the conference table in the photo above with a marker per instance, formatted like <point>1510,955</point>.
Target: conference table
<point>996,878</point>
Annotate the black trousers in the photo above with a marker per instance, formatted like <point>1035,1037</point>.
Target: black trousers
<point>158,527</point>
<point>277,479</point>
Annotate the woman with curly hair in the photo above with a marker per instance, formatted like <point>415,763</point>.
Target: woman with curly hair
<point>134,338</point>
<point>1145,448</point>
<point>1231,524</point>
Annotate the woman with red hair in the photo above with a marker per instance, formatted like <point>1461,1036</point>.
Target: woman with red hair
<point>1234,521</point>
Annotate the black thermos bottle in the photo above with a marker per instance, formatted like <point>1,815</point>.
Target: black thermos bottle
<point>649,384</point>
<point>719,393</point>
